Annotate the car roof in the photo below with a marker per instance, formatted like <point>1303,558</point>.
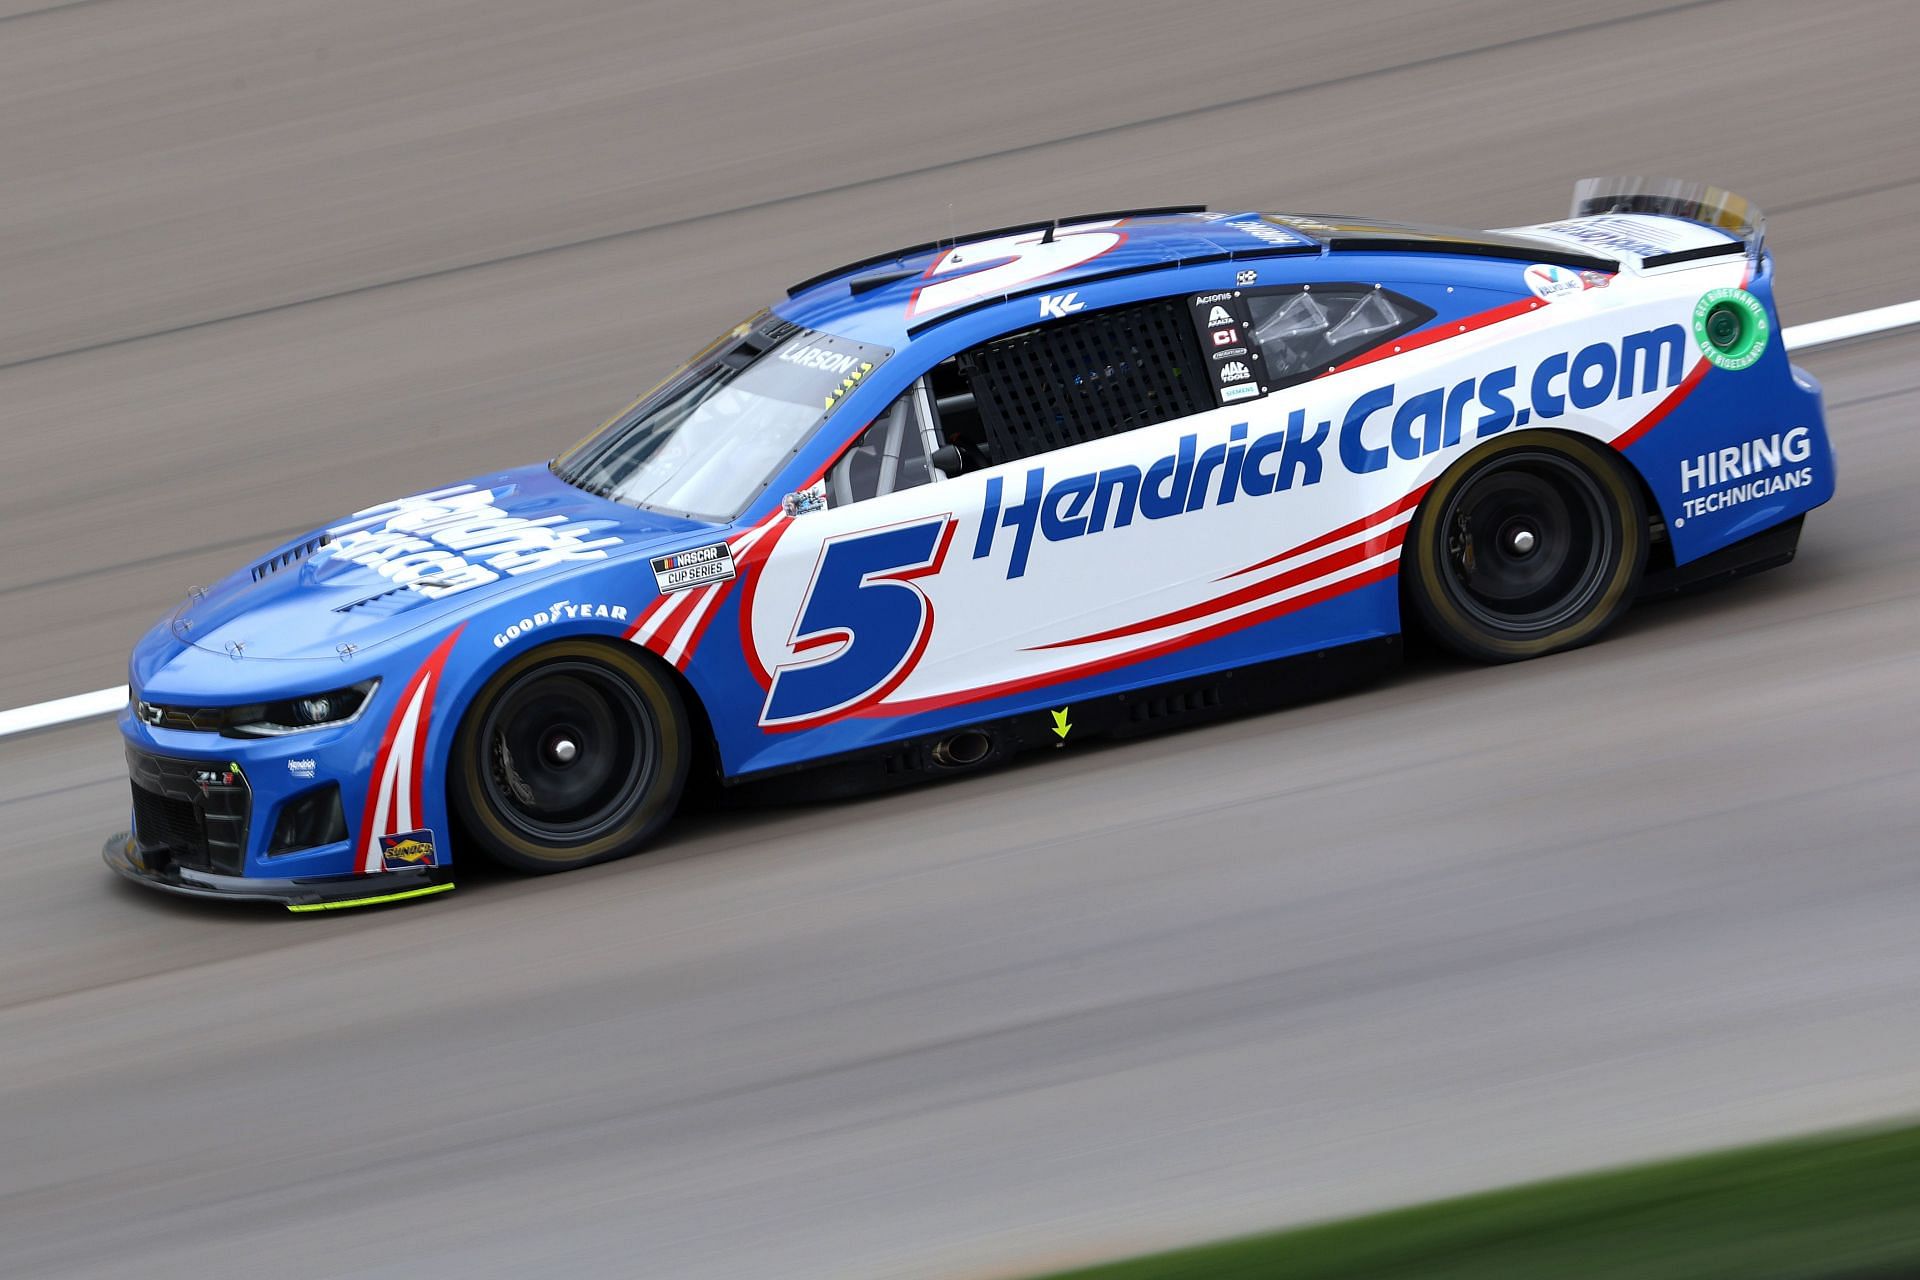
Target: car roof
<point>878,300</point>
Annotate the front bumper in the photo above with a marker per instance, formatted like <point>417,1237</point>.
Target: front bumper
<point>299,893</point>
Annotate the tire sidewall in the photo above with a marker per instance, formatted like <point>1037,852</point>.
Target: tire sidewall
<point>1424,569</point>
<point>493,837</point>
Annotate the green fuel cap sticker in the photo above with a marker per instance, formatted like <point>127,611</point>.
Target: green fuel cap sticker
<point>1730,326</point>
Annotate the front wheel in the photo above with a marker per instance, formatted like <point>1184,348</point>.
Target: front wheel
<point>1532,546</point>
<point>574,753</point>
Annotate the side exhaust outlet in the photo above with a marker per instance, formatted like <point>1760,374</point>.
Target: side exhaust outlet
<point>962,750</point>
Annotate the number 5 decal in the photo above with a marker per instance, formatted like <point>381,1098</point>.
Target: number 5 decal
<point>865,611</point>
<point>969,272</point>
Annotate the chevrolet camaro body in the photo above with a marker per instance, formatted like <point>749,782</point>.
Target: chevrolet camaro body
<point>976,527</point>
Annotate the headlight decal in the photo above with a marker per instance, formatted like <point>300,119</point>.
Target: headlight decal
<point>297,715</point>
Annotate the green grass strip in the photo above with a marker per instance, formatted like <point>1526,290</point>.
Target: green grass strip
<point>1842,1207</point>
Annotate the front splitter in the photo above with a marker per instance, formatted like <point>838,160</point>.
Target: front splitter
<point>300,893</point>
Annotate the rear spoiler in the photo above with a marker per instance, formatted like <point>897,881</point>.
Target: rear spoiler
<point>1672,198</point>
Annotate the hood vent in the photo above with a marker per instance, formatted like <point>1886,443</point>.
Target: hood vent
<point>382,603</point>
<point>292,555</point>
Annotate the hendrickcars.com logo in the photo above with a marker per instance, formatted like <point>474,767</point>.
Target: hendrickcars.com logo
<point>1421,423</point>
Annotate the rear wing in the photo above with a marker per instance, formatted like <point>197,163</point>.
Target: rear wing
<point>1673,198</point>
<point>1653,223</point>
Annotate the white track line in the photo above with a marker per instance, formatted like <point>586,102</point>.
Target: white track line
<point>1797,337</point>
<point>1861,324</point>
<point>43,715</point>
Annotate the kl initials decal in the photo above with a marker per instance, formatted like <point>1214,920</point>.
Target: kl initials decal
<point>1058,306</point>
<point>863,623</point>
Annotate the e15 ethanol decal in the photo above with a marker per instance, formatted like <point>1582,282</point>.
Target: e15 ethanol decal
<point>695,568</point>
<point>866,618</point>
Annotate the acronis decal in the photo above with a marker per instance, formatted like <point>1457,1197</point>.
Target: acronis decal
<point>1421,423</point>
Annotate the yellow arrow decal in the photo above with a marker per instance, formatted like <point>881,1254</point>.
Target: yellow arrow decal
<point>1060,726</point>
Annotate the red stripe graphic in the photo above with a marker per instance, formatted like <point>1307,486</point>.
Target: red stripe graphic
<point>1665,407</point>
<point>1378,574</point>
<point>1345,558</point>
<point>1385,513</point>
<point>416,748</point>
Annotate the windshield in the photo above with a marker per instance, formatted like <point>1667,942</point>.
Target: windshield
<point>710,438</point>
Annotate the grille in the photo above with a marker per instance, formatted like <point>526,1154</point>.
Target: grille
<point>192,719</point>
<point>193,811</point>
<point>1089,377</point>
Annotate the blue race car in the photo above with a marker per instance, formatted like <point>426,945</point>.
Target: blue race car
<point>1019,489</point>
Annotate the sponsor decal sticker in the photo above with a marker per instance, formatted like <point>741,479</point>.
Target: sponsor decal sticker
<point>1548,282</point>
<point>1730,325</point>
<point>1623,235</point>
<point>226,777</point>
<point>693,568</point>
<point>1226,320</point>
<point>407,849</point>
<point>1246,278</point>
<point>1267,233</point>
<point>561,611</point>
<point>301,768</point>
<point>453,540</point>
<point>1752,469</point>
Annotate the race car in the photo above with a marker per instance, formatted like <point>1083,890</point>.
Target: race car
<point>1020,489</point>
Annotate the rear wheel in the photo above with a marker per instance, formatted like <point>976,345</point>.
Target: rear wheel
<point>574,753</point>
<point>1529,547</point>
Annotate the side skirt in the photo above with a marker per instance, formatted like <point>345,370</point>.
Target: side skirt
<point>1134,713</point>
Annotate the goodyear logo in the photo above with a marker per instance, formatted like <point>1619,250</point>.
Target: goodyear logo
<point>407,849</point>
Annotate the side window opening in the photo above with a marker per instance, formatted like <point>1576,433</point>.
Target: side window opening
<point>890,455</point>
<point>1301,333</point>
<point>959,415</point>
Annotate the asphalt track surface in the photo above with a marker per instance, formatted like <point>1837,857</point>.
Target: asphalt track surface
<point>260,265</point>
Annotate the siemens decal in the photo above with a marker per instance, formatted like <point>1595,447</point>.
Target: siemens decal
<point>1422,423</point>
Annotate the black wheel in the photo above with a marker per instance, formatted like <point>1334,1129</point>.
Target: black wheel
<point>1530,546</point>
<point>575,753</point>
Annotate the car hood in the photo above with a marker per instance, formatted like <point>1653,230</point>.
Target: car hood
<point>391,569</point>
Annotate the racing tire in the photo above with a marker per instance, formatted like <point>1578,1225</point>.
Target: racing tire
<point>573,753</point>
<point>1530,546</point>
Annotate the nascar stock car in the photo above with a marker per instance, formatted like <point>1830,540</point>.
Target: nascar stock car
<point>1081,478</point>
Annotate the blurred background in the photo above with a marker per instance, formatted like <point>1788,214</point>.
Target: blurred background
<point>265,263</point>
